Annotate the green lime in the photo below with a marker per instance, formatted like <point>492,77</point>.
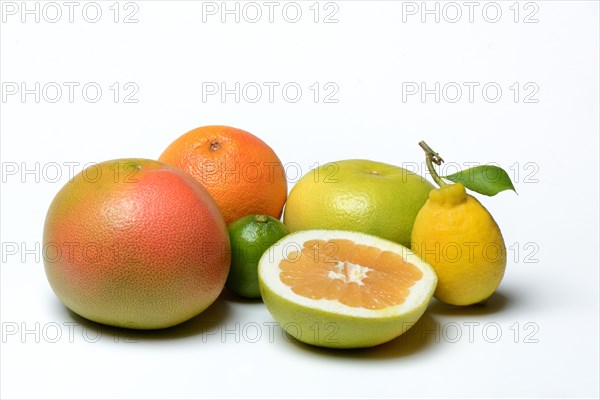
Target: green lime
<point>250,237</point>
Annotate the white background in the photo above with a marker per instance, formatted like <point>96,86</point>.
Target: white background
<point>545,311</point>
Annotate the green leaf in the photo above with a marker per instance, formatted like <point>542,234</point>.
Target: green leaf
<point>485,179</point>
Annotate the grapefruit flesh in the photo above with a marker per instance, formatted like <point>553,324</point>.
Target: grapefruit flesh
<point>364,289</point>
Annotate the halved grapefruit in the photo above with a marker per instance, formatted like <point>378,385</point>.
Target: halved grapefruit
<point>344,289</point>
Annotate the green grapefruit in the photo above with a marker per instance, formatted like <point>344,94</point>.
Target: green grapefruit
<point>344,289</point>
<point>358,195</point>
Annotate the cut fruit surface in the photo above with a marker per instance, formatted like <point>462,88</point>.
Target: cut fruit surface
<point>357,275</point>
<point>366,289</point>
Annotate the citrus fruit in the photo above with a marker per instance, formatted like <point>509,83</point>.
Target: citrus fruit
<point>459,238</point>
<point>250,236</point>
<point>241,172</point>
<point>135,243</point>
<point>344,289</point>
<point>358,195</point>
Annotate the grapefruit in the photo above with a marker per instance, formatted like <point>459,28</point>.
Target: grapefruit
<point>344,289</point>
<point>358,195</point>
<point>135,243</point>
<point>241,172</point>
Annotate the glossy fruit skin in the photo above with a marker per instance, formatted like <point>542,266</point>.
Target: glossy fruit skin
<point>460,239</point>
<point>240,171</point>
<point>358,195</point>
<point>135,243</point>
<point>250,237</point>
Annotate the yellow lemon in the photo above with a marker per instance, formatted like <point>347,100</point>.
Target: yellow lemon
<point>458,237</point>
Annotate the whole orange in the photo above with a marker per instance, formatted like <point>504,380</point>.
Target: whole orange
<point>135,243</point>
<point>240,171</point>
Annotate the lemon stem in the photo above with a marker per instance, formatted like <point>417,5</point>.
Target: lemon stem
<point>431,157</point>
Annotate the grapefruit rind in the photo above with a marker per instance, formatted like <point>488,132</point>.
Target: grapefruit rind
<point>329,323</point>
<point>358,195</point>
<point>161,252</point>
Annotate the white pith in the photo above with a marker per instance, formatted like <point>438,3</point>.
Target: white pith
<point>349,272</point>
<point>269,271</point>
